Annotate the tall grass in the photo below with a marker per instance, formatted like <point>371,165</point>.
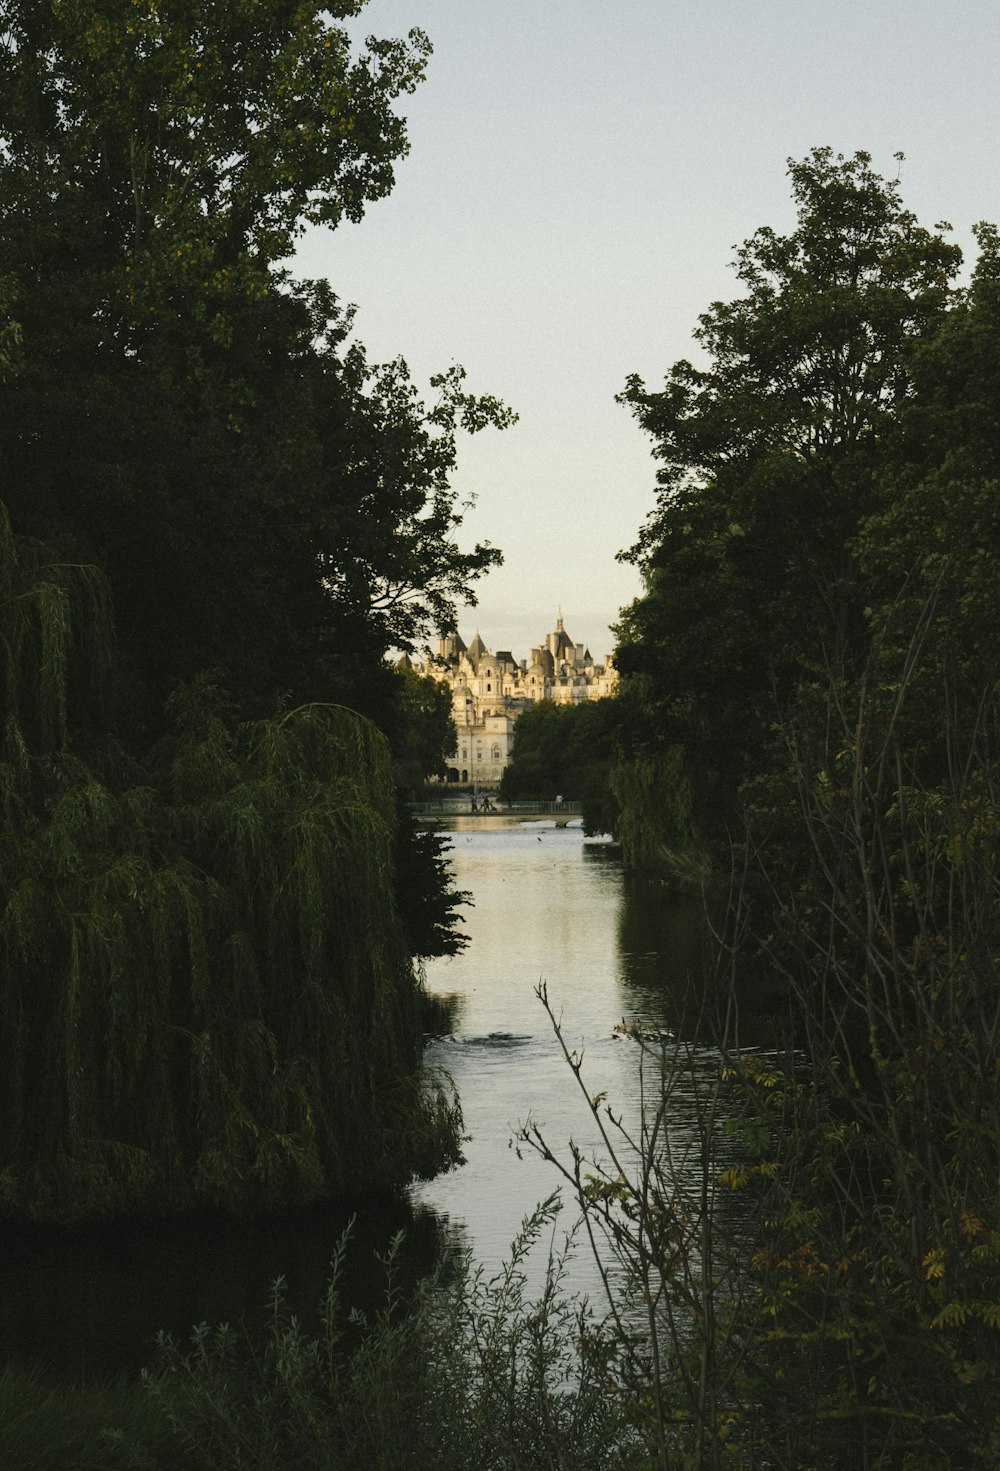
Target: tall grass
<point>470,1374</point>
<point>50,1425</point>
<point>463,1373</point>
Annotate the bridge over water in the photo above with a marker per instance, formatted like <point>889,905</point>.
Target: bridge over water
<point>461,807</point>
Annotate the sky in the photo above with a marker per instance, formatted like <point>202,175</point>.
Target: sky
<point>578,179</point>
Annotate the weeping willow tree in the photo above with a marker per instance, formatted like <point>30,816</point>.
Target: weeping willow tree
<point>655,821</point>
<point>205,992</point>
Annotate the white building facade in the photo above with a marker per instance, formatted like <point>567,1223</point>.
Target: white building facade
<point>489,691</point>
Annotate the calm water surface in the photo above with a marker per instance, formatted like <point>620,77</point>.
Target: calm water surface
<point>549,906</point>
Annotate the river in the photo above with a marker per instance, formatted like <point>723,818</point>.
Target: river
<point>549,907</point>
<point>552,907</point>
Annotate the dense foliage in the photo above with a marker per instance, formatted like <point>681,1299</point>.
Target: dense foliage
<point>262,498</point>
<point>773,458</point>
<point>225,517</point>
<point>562,750</point>
<point>464,1373</point>
<point>809,717</point>
<point>206,992</point>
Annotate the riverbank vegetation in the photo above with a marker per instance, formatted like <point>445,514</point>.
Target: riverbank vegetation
<point>208,997</point>
<point>222,517</point>
<point>460,1374</point>
<point>806,730</point>
<point>808,720</point>
<point>824,518</point>
<point>563,749</point>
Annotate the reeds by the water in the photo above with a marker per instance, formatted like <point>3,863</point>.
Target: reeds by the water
<point>466,1374</point>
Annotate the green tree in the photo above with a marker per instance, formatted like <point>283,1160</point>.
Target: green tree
<point>422,735</point>
<point>205,985</point>
<point>929,550</point>
<point>187,143</point>
<point>770,458</point>
<point>567,750</point>
<point>812,668</point>
<point>426,733</point>
<point>10,334</point>
<point>201,912</point>
<point>260,495</point>
<point>266,502</point>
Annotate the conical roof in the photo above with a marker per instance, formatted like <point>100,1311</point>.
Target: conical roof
<point>561,640</point>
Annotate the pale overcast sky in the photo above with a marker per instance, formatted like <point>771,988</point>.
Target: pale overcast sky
<point>578,177</point>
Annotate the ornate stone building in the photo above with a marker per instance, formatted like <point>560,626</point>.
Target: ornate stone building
<point>489,691</point>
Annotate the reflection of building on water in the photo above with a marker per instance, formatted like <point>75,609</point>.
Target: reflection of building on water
<point>489,691</point>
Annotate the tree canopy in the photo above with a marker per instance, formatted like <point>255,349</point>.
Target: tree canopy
<point>808,726</point>
<point>770,459</point>
<point>263,498</point>
<point>182,139</point>
<point>567,750</point>
<point>205,984</point>
<point>226,516</point>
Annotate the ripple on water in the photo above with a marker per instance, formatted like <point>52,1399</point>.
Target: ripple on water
<point>548,906</point>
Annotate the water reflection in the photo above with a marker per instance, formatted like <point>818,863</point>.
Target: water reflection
<point>91,1301</point>
<point>661,952</point>
<point>550,906</point>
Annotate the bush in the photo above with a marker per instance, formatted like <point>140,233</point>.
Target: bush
<point>470,1375</point>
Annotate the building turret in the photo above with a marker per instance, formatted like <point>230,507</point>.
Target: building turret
<point>450,647</point>
<point>489,692</point>
<point>476,650</point>
<point>559,643</point>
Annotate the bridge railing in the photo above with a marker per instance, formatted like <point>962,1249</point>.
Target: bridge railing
<point>462,806</point>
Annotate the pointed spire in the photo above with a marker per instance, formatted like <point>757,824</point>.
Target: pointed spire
<point>476,649</point>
